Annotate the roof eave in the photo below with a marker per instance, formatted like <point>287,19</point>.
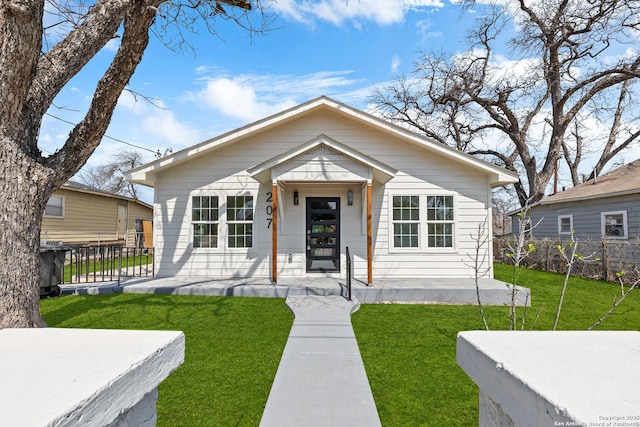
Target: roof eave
<point>138,175</point>
<point>104,194</point>
<point>590,197</point>
<point>502,179</point>
<point>141,177</point>
<point>145,174</point>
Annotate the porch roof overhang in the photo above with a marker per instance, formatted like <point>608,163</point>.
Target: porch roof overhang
<point>273,170</point>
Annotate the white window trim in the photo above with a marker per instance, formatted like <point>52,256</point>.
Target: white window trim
<point>218,247</point>
<point>223,224</point>
<point>422,224</point>
<point>420,247</point>
<point>453,223</point>
<point>64,210</point>
<point>560,218</point>
<point>223,219</point>
<point>625,225</point>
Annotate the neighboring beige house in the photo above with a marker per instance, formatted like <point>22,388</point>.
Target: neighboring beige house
<point>285,196</point>
<point>79,214</point>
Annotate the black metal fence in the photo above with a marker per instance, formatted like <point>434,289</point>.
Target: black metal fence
<point>603,259</point>
<point>103,263</point>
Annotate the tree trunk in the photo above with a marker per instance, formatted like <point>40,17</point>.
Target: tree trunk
<point>29,82</point>
<point>24,197</point>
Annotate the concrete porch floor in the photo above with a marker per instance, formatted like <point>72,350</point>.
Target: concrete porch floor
<point>417,291</point>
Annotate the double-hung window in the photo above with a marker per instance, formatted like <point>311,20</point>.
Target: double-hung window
<point>205,219</point>
<point>406,221</point>
<point>423,222</point>
<point>440,221</point>
<point>239,221</point>
<point>614,224</point>
<point>565,224</point>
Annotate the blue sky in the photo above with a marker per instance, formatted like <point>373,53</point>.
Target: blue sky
<point>338,48</point>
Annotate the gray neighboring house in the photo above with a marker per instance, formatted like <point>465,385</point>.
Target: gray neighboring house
<point>605,207</point>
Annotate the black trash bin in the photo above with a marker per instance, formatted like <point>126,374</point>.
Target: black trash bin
<point>51,268</point>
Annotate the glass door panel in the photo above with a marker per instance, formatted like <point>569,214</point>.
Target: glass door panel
<point>323,234</point>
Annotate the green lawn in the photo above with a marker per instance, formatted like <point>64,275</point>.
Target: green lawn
<point>409,350</point>
<point>234,347</point>
<point>106,265</point>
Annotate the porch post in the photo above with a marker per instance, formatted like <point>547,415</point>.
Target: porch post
<point>274,233</point>
<point>369,236</point>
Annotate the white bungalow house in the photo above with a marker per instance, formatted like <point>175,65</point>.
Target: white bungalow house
<point>285,196</point>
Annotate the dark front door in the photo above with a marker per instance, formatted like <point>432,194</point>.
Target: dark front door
<point>323,234</point>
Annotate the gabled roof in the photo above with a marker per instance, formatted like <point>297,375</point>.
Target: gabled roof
<point>621,181</point>
<point>383,172</point>
<point>146,173</point>
<point>88,189</point>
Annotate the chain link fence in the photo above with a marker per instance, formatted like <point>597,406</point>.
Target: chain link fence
<point>604,259</point>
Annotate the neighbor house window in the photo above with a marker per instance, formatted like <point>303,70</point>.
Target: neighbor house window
<point>406,221</point>
<point>205,219</point>
<point>240,221</point>
<point>565,224</point>
<point>440,220</point>
<point>55,207</point>
<point>614,224</point>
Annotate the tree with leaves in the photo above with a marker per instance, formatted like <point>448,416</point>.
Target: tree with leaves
<point>34,67</point>
<point>571,61</point>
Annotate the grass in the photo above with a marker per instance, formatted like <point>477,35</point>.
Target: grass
<point>234,346</point>
<point>409,350</point>
<point>409,354</point>
<point>106,265</point>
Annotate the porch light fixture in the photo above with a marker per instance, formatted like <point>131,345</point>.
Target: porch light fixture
<point>295,198</point>
<point>350,197</point>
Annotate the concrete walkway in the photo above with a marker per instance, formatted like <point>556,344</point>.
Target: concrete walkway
<point>321,379</point>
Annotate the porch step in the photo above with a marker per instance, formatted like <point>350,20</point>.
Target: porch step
<point>321,380</point>
<point>430,291</point>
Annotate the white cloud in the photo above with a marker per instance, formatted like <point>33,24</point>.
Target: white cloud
<point>423,30</point>
<point>502,69</point>
<point>130,102</point>
<point>151,126</point>
<point>237,99</point>
<point>395,64</point>
<point>113,44</point>
<point>162,124</point>
<point>251,97</point>
<point>382,12</point>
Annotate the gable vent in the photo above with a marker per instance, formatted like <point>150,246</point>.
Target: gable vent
<point>324,150</point>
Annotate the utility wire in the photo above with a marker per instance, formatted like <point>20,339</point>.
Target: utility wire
<point>107,136</point>
<point>82,169</point>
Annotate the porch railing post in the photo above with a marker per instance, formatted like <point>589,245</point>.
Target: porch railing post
<point>348,274</point>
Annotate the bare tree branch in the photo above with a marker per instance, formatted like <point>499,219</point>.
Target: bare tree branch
<point>567,62</point>
<point>110,176</point>
<point>35,64</point>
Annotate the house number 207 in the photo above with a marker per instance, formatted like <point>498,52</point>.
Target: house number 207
<point>269,209</point>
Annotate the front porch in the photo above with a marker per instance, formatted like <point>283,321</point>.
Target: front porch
<point>456,291</point>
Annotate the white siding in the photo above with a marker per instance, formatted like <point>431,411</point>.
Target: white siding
<point>223,172</point>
